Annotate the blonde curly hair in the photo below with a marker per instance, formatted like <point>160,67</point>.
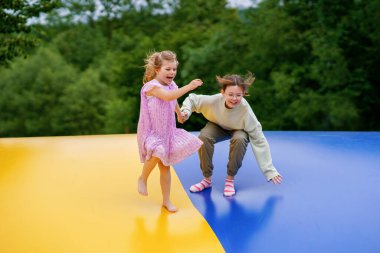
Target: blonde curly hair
<point>154,61</point>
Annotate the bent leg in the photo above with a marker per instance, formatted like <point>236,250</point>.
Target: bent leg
<point>210,134</point>
<point>238,148</point>
<point>143,179</point>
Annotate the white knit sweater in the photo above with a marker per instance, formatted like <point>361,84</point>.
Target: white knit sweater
<point>240,117</point>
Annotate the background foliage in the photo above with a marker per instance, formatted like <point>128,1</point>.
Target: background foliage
<point>316,62</point>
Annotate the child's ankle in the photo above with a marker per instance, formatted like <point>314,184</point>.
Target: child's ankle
<point>229,188</point>
<point>208,180</point>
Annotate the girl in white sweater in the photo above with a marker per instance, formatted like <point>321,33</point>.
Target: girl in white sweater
<point>230,117</point>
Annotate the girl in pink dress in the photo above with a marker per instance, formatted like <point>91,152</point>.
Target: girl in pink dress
<point>159,141</point>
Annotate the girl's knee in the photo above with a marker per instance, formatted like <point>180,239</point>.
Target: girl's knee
<point>206,138</point>
<point>154,159</point>
<point>240,140</point>
<point>162,166</point>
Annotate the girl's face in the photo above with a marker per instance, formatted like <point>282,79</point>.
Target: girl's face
<point>165,75</point>
<point>233,96</point>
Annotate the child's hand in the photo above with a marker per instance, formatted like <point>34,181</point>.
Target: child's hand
<point>195,83</point>
<point>277,179</point>
<point>184,116</point>
<point>180,118</point>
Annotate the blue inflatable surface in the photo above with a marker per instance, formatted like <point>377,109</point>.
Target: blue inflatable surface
<point>328,201</point>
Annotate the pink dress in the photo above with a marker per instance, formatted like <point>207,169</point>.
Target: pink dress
<point>157,134</point>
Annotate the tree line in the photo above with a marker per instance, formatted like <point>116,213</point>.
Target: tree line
<point>80,71</point>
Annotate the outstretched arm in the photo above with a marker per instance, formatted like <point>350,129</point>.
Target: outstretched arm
<point>168,95</point>
<point>190,104</point>
<point>260,148</point>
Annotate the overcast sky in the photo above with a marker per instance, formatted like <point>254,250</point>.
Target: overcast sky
<point>231,3</point>
<point>242,3</point>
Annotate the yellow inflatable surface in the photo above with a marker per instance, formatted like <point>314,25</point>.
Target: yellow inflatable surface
<point>79,194</point>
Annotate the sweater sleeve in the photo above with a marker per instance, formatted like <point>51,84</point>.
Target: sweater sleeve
<point>260,146</point>
<point>192,103</point>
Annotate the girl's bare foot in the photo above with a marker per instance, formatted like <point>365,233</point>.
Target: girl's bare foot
<point>141,187</point>
<point>170,207</point>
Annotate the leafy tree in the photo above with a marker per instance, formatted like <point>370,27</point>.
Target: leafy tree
<point>121,116</point>
<point>304,66</point>
<point>29,94</point>
<point>359,42</point>
<point>81,45</point>
<point>15,34</point>
<point>82,107</point>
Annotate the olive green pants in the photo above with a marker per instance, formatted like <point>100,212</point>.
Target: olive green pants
<point>213,133</point>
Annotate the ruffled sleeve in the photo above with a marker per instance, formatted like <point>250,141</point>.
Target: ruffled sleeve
<point>149,85</point>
